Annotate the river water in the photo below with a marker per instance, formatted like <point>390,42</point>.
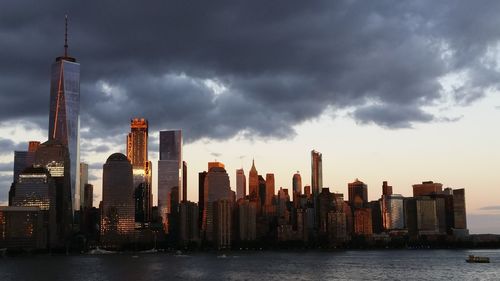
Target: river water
<point>310,265</point>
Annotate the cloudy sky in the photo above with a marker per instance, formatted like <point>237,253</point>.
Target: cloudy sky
<point>386,90</point>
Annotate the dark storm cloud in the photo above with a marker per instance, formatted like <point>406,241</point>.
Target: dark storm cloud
<point>6,167</point>
<point>220,68</point>
<point>8,146</point>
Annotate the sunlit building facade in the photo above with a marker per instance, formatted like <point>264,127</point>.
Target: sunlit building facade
<point>253,182</point>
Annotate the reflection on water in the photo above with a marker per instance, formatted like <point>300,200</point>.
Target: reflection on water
<point>345,265</point>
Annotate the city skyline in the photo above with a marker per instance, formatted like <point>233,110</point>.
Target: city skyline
<point>444,141</point>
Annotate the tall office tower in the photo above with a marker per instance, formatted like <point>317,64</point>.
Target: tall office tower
<point>253,182</point>
<point>316,172</point>
<point>358,194</point>
<point>117,212</point>
<point>137,143</point>
<point>137,154</point>
<point>64,118</point>
<point>36,188</point>
<point>169,173</point>
<point>216,188</point>
<point>241,184</point>
<point>223,223</point>
<point>84,179</point>
<point>201,197</point>
<point>184,181</point>
<point>54,156</point>
<point>297,183</point>
<point>88,196</point>
<point>427,188</point>
<point>392,212</point>
<point>386,189</point>
<point>269,189</point>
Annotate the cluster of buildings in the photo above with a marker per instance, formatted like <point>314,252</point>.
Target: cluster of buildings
<point>51,200</point>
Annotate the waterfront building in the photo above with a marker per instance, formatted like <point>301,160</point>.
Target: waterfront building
<point>376,210</point>
<point>169,173</point>
<point>358,194</point>
<point>22,228</point>
<point>459,214</point>
<point>118,208</point>
<point>247,215</point>
<point>64,117</point>
<point>316,172</point>
<point>36,188</point>
<point>393,218</point>
<point>241,184</point>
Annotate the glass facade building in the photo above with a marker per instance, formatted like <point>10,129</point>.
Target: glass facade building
<point>64,118</point>
<point>169,173</point>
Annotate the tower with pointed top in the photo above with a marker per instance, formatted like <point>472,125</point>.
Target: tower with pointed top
<point>64,118</point>
<point>253,182</point>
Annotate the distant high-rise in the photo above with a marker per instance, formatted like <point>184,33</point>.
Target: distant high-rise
<point>118,211</point>
<point>316,172</point>
<point>201,197</point>
<point>64,118</point>
<point>88,196</point>
<point>297,183</point>
<point>269,189</point>
<point>169,172</point>
<point>241,184</point>
<point>137,154</point>
<point>358,194</point>
<point>184,181</point>
<point>216,188</point>
<point>84,179</point>
<point>253,182</point>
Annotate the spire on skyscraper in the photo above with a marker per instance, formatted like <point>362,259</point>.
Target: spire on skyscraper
<point>65,35</point>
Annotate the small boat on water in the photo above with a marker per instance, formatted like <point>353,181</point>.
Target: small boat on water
<point>474,259</point>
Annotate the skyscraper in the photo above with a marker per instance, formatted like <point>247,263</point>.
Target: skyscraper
<point>117,212</point>
<point>216,188</point>
<point>169,172</point>
<point>241,184</point>
<point>297,183</point>
<point>137,154</point>
<point>64,118</point>
<point>358,194</point>
<point>316,172</point>
<point>269,189</point>
<point>253,182</point>
<point>184,181</point>
<point>84,179</point>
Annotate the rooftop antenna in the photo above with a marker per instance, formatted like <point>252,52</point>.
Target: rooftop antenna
<point>65,35</point>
